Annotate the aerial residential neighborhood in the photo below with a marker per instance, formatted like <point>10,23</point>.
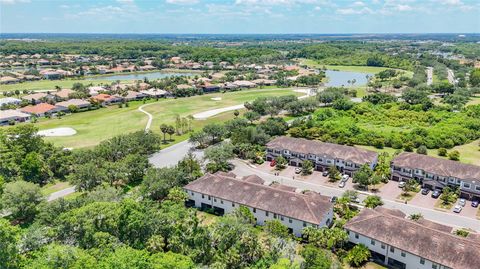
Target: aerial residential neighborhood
<point>239,134</point>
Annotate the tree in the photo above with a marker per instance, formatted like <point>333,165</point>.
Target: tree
<point>21,199</point>
<point>87,176</point>
<point>448,196</point>
<point>35,169</point>
<point>454,155</point>
<point>363,176</point>
<point>415,216</point>
<point>170,131</point>
<point>280,163</point>
<point>218,157</point>
<point>373,201</point>
<point>164,130</point>
<point>307,167</point>
<point>315,258</point>
<point>9,238</point>
<point>475,77</point>
<point>171,260</point>
<point>200,139</point>
<point>276,228</point>
<point>422,150</point>
<point>215,131</point>
<point>251,116</point>
<point>236,113</point>
<point>243,215</point>
<point>330,238</point>
<point>158,181</point>
<point>333,174</point>
<point>62,257</point>
<point>177,195</point>
<point>358,255</point>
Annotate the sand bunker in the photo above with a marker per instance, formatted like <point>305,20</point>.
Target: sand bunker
<point>63,131</point>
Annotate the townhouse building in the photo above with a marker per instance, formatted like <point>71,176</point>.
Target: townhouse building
<point>323,155</point>
<point>401,243</point>
<point>436,173</point>
<point>223,193</point>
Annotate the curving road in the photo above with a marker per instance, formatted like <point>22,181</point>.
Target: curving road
<point>150,117</point>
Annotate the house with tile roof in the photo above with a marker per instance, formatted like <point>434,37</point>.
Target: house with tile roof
<point>41,109</point>
<point>224,192</point>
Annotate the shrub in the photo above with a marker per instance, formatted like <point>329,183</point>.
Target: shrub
<point>454,155</point>
<point>442,152</point>
<point>422,150</point>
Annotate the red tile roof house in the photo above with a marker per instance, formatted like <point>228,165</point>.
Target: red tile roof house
<point>436,173</point>
<point>224,192</point>
<point>107,99</point>
<point>347,159</point>
<point>399,242</point>
<point>41,109</point>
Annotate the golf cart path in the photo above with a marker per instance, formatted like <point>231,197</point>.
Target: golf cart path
<point>150,117</point>
<point>210,113</point>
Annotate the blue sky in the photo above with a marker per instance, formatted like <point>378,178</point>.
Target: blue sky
<point>239,16</point>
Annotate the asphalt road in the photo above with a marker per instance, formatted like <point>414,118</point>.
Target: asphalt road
<point>242,169</point>
<point>61,193</point>
<point>429,75</point>
<point>170,156</point>
<point>451,76</point>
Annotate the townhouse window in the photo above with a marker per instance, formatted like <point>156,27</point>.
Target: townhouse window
<point>372,242</point>
<point>266,213</point>
<point>392,249</point>
<point>289,220</point>
<point>233,204</point>
<point>215,200</point>
<point>304,224</point>
<point>203,196</point>
<point>356,236</point>
<point>466,185</point>
<point>477,188</point>
<point>348,232</point>
<point>434,266</point>
<point>382,246</point>
<point>221,202</point>
<point>281,217</point>
<point>209,198</point>
<point>254,210</point>
<point>403,254</point>
<point>193,194</point>
<point>422,261</point>
<point>274,215</point>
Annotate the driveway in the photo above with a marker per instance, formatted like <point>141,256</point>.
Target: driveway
<point>425,201</point>
<point>390,190</point>
<point>170,156</point>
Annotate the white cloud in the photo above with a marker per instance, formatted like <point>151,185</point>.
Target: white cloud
<point>354,11</point>
<point>126,1</point>
<point>182,2</point>
<point>403,7</point>
<point>358,4</point>
<point>11,2</point>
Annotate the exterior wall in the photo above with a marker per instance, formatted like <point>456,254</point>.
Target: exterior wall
<point>410,260</point>
<point>260,215</point>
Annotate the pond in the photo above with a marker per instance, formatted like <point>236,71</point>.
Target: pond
<point>141,76</point>
<point>341,78</point>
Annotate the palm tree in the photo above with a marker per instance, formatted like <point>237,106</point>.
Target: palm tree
<point>164,130</point>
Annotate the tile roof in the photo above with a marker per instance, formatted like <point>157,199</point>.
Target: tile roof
<point>10,113</point>
<point>305,146</point>
<point>38,109</point>
<point>64,93</point>
<point>426,241</point>
<point>74,102</point>
<point>35,96</point>
<point>310,207</point>
<point>437,166</point>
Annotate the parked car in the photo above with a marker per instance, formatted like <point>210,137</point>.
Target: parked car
<point>298,170</point>
<point>401,184</point>
<point>436,194</point>
<point>325,173</point>
<point>333,199</point>
<point>341,184</point>
<point>345,178</point>
<point>425,191</point>
<point>475,203</point>
<point>457,209</point>
<point>462,202</point>
<point>273,163</point>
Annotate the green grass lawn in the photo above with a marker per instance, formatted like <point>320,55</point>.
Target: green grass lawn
<point>97,125</point>
<point>475,100</point>
<point>54,187</point>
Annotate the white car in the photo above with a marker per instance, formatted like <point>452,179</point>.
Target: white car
<point>401,184</point>
<point>462,202</point>
<point>341,184</point>
<point>298,170</point>
<point>457,209</point>
<point>345,178</point>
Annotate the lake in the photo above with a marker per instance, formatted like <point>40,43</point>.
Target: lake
<point>341,78</point>
<point>140,76</point>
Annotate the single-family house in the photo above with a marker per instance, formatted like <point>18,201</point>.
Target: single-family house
<point>155,93</point>
<point>63,94</point>
<point>36,98</point>
<point>133,95</point>
<point>41,109</point>
<point>78,103</point>
<point>107,99</point>
<point>6,116</point>
<point>9,101</point>
<point>224,192</point>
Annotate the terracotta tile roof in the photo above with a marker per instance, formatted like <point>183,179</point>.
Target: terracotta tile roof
<point>417,238</point>
<point>437,166</point>
<point>305,146</point>
<point>38,109</point>
<point>310,208</point>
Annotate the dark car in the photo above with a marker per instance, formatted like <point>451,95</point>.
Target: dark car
<point>436,194</point>
<point>475,203</point>
<point>425,191</point>
<point>325,173</point>
<point>333,199</point>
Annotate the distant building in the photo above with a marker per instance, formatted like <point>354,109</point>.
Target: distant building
<point>79,103</point>
<point>13,115</point>
<point>9,101</point>
<point>223,193</point>
<point>403,243</point>
<point>38,97</point>
<point>346,159</point>
<point>155,93</point>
